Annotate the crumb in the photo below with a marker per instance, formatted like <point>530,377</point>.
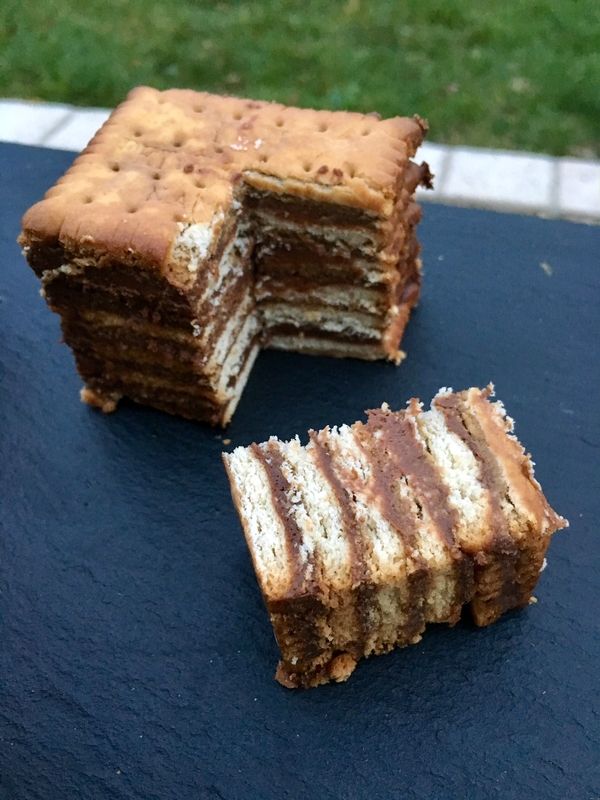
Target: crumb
<point>546,267</point>
<point>226,441</point>
<point>532,600</point>
<point>341,667</point>
<point>106,403</point>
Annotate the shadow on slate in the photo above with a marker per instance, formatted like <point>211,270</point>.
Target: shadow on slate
<point>137,660</point>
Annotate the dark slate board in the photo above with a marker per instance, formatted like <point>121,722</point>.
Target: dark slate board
<point>137,660</point>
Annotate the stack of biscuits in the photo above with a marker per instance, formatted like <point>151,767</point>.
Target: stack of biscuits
<point>195,229</point>
<point>369,532</point>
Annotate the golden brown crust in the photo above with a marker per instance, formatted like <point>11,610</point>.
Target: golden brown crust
<point>514,461</point>
<point>166,159</point>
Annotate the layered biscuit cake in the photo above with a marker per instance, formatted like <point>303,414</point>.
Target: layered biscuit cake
<point>369,532</point>
<point>195,229</point>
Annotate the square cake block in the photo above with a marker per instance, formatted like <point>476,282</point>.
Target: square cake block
<point>195,228</point>
<point>369,532</point>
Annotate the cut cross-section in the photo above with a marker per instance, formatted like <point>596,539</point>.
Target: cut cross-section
<point>371,531</point>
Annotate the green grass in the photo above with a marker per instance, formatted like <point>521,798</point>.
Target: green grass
<point>522,75</point>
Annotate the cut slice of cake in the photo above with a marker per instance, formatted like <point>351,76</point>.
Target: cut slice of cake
<point>195,228</point>
<point>369,532</point>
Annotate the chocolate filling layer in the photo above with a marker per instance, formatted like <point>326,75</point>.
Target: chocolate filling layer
<point>411,459</point>
<point>431,493</point>
<point>501,544</point>
<point>363,589</point>
<point>134,390</point>
<point>281,264</point>
<point>401,517</point>
<point>125,277</point>
<point>75,330</point>
<point>308,210</point>
<point>65,294</point>
<point>186,407</point>
<point>315,332</point>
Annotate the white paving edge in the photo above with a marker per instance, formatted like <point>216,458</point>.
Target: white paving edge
<point>77,129</point>
<point>27,123</point>
<point>522,180</point>
<point>502,180</point>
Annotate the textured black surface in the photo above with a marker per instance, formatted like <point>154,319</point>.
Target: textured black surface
<point>136,658</point>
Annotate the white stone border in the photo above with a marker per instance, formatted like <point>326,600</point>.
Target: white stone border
<point>466,176</point>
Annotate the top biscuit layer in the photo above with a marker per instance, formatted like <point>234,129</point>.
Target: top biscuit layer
<point>167,160</point>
